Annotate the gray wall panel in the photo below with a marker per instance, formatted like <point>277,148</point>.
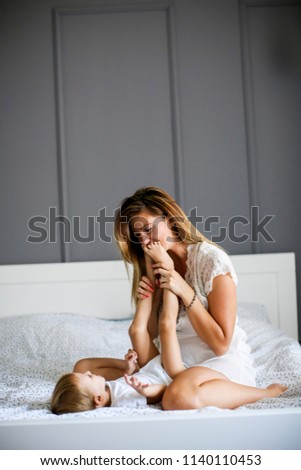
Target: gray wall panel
<point>199,97</point>
<point>28,167</point>
<point>116,111</point>
<point>274,49</point>
<point>215,170</point>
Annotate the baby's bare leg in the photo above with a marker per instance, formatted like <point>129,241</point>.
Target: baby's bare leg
<point>149,270</point>
<point>139,333</point>
<point>170,349</point>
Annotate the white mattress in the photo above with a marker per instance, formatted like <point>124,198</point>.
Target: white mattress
<point>35,350</point>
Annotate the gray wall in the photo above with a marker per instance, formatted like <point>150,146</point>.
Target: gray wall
<point>200,97</point>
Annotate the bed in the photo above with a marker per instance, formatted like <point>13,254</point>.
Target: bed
<point>53,314</point>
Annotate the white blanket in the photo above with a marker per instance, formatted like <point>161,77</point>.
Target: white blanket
<point>35,350</point>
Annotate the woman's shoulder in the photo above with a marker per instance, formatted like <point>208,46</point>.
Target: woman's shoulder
<point>211,257</point>
<point>208,250</point>
<point>212,261</point>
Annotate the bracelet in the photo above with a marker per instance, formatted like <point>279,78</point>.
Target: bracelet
<point>191,303</point>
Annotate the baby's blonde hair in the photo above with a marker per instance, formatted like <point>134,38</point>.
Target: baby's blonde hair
<point>69,397</point>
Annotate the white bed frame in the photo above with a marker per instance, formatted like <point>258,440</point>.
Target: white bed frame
<point>102,288</point>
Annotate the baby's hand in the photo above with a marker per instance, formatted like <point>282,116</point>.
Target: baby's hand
<point>132,362</point>
<point>131,355</point>
<point>140,387</point>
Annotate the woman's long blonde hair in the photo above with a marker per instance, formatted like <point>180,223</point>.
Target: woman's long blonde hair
<point>158,203</point>
<point>69,397</point>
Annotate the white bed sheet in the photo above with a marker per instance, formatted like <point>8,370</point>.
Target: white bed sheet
<point>35,350</point>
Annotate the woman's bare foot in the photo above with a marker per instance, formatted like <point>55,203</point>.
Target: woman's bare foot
<point>132,362</point>
<point>274,390</point>
<point>159,255</point>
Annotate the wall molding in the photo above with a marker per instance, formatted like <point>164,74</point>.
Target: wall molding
<point>271,3</point>
<point>248,103</point>
<point>57,14</point>
<point>245,7</point>
<point>60,129</point>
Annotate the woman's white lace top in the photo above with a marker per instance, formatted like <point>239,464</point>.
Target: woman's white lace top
<point>204,262</point>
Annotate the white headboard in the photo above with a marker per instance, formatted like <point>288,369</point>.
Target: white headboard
<point>270,279</point>
<point>102,288</point>
<point>97,288</point>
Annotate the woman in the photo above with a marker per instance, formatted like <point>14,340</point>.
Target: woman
<point>198,329</point>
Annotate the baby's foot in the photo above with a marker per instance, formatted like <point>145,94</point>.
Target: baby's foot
<point>159,255</point>
<point>132,362</point>
<point>276,389</point>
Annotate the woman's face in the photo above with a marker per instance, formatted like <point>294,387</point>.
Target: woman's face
<point>152,228</point>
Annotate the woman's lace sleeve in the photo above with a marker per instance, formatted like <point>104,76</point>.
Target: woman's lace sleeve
<point>214,262</point>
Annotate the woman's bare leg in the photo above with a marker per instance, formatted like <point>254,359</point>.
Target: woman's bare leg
<point>198,387</point>
<point>170,349</point>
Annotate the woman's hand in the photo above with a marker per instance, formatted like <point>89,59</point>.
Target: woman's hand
<point>145,288</point>
<point>172,280</point>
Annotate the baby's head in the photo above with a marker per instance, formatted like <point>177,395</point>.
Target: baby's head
<point>76,392</point>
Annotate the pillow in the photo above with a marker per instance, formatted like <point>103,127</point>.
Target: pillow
<point>252,311</point>
<point>56,341</point>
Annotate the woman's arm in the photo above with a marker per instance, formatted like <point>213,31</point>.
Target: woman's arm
<point>214,326</point>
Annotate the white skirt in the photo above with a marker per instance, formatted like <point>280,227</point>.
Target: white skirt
<point>236,364</point>
<point>236,367</point>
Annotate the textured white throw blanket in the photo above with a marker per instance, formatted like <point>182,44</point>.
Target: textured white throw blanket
<point>35,350</point>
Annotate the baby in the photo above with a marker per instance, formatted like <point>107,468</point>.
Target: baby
<point>83,391</point>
